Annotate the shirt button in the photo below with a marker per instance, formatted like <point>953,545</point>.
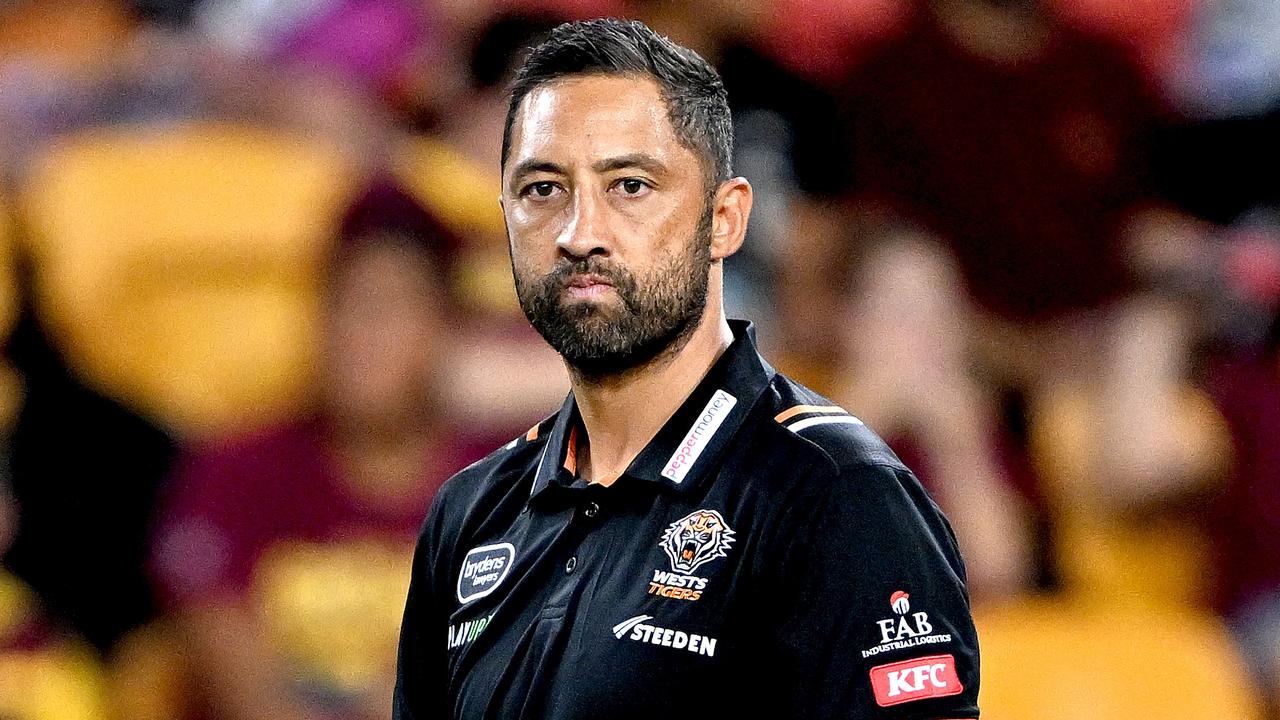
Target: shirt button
<point>570,565</point>
<point>591,510</point>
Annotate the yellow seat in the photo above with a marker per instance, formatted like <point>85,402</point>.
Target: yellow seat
<point>10,392</point>
<point>1063,660</point>
<point>464,195</point>
<point>58,679</point>
<point>177,268</point>
<point>1152,558</point>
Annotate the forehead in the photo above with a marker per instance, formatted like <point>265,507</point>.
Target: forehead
<point>594,117</point>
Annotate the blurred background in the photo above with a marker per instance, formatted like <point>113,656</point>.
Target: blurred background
<point>256,307</point>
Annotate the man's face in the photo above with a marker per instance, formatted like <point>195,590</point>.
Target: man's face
<point>384,333</point>
<point>609,222</point>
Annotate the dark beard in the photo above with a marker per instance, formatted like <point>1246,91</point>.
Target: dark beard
<point>655,316</point>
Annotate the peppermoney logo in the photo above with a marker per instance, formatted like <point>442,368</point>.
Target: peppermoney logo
<point>463,633</point>
<point>907,630</point>
<point>483,570</point>
<point>699,435</point>
<point>638,629</point>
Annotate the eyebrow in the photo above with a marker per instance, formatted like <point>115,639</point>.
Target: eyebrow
<point>534,165</point>
<point>643,161</point>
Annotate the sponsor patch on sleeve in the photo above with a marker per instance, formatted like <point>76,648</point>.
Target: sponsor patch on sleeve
<point>926,677</point>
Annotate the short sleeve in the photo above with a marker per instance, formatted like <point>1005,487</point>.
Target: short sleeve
<point>421,662</point>
<point>878,623</point>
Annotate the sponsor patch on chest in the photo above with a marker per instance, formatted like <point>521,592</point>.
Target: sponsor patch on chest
<point>690,542</point>
<point>483,570</point>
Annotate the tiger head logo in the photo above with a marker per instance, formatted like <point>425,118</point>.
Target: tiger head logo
<point>696,538</point>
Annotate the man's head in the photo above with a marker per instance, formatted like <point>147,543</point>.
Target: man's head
<point>692,92</point>
<point>617,193</point>
<point>386,308</point>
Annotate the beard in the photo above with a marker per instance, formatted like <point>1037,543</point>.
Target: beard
<point>657,313</point>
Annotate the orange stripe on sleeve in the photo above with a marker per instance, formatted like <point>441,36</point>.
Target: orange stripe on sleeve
<point>532,434</point>
<point>791,412</point>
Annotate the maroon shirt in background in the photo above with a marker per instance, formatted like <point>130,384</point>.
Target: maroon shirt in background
<point>228,504</point>
<point>1246,526</point>
<point>1025,171</point>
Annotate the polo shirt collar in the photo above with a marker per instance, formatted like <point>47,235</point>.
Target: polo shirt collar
<point>693,438</point>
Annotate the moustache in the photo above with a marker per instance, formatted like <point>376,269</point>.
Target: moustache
<point>567,272</point>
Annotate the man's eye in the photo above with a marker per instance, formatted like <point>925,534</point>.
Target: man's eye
<point>632,186</point>
<point>541,189</point>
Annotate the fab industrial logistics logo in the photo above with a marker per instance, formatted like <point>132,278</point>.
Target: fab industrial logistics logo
<point>690,542</point>
<point>916,679</point>
<point>907,630</point>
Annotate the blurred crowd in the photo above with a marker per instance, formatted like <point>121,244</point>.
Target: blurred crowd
<point>257,306</point>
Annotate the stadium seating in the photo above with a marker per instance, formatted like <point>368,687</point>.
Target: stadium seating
<point>10,392</point>
<point>465,196</point>
<point>1087,659</point>
<point>177,266</point>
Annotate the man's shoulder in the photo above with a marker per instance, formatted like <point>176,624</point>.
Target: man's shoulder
<point>498,471</point>
<point>814,425</point>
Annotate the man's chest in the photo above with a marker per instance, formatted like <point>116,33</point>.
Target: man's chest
<point>602,603</point>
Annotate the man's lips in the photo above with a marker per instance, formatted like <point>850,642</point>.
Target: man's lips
<point>587,286</point>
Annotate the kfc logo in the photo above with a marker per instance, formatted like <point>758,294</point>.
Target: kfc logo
<point>926,677</point>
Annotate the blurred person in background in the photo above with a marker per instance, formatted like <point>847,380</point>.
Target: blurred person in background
<point>1245,385</point>
<point>1218,162</point>
<point>285,554</point>
<point>998,150</point>
<point>85,471</point>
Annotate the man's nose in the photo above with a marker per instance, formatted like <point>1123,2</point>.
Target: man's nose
<point>588,232</point>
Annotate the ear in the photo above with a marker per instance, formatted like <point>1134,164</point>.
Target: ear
<point>731,207</point>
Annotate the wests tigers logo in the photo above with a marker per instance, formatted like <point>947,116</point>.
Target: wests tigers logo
<point>696,538</point>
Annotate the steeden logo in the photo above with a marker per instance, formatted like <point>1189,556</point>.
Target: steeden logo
<point>699,435</point>
<point>638,629</point>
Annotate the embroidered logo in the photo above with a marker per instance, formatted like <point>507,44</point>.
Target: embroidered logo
<point>699,435</point>
<point>926,677</point>
<point>907,630</point>
<point>483,570</point>
<point>695,539</point>
<point>638,629</point>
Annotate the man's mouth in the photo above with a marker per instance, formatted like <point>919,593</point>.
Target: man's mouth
<point>586,286</point>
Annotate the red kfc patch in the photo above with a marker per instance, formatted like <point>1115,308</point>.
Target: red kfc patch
<point>926,677</point>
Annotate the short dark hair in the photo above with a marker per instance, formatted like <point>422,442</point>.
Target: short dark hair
<point>696,101</point>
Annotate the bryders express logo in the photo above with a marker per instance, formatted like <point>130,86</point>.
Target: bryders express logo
<point>691,541</point>
<point>640,631</point>
<point>907,630</point>
<point>483,570</point>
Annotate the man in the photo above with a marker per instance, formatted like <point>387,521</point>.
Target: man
<point>692,532</point>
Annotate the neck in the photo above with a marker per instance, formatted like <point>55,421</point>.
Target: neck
<point>621,413</point>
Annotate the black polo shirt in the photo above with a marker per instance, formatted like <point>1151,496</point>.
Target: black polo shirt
<point>766,555</point>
